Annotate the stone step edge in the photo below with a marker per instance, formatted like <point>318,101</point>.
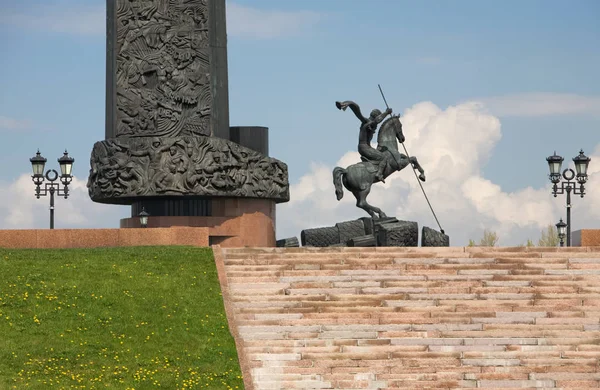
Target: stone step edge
<point>465,249</point>
<point>245,365</point>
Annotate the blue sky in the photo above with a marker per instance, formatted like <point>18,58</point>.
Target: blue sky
<point>531,65</point>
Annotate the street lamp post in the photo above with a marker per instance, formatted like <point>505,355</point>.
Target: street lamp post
<point>38,163</point>
<point>569,185</point>
<point>561,227</point>
<point>144,218</point>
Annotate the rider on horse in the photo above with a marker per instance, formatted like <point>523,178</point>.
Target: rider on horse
<point>367,130</point>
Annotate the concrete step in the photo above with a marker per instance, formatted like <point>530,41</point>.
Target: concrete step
<point>389,318</point>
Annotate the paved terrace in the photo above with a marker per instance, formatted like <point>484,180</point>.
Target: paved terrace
<point>412,318</point>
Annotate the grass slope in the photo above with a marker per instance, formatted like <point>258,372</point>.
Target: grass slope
<point>124,318</point>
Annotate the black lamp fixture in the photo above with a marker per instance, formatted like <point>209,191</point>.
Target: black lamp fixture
<point>561,227</point>
<point>38,163</point>
<point>66,167</point>
<point>569,184</point>
<point>581,165</point>
<point>554,163</point>
<point>144,218</point>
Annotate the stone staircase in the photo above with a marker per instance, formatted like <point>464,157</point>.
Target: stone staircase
<point>414,318</point>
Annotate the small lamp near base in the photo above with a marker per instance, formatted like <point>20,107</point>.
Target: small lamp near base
<point>144,218</point>
<point>561,227</point>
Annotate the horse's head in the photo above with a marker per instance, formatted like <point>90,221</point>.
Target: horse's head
<point>396,127</point>
<point>399,133</point>
<point>391,129</point>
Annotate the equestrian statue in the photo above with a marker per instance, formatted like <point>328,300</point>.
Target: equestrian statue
<point>377,164</point>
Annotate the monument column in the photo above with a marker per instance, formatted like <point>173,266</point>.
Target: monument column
<point>126,25</point>
<point>167,144</point>
<point>218,66</point>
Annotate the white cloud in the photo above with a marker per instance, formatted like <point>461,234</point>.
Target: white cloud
<point>20,209</point>
<point>65,17</point>
<point>263,24</point>
<point>543,104</point>
<point>452,145</point>
<point>7,123</point>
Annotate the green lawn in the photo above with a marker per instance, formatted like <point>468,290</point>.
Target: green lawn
<point>122,318</point>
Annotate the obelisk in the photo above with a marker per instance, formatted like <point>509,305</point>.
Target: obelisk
<point>168,146</point>
<point>173,53</point>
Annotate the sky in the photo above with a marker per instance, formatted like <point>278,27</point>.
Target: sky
<point>486,91</point>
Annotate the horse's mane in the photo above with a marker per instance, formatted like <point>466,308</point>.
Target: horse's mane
<point>385,122</point>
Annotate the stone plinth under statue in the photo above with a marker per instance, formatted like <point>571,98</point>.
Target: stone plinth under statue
<point>169,149</point>
<point>367,232</point>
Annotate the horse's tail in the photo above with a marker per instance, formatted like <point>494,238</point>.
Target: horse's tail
<point>337,181</point>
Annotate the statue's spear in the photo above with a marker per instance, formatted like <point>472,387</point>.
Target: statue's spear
<point>418,181</point>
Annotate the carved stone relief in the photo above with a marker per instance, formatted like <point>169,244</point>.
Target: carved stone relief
<point>163,68</point>
<point>203,166</point>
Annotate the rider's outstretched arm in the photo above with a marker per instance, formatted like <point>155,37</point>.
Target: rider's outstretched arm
<point>354,107</point>
<point>382,116</point>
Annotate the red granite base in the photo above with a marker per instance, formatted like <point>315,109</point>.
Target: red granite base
<point>236,222</point>
<point>94,238</point>
<point>586,237</point>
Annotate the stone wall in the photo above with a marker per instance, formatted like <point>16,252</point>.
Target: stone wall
<point>94,238</point>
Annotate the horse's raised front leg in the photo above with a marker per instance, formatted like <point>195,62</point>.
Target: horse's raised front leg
<point>361,201</point>
<point>417,166</point>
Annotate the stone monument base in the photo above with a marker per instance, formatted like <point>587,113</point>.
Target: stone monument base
<point>235,222</point>
<point>366,232</point>
<point>585,237</point>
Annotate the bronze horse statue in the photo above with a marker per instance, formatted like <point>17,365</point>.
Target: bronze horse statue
<point>358,178</point>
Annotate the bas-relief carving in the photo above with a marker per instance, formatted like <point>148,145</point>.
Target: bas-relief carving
<point>203,166</point>
<point>163,103</point>
<point>163,68</point>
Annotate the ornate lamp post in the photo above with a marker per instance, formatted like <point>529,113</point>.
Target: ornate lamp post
<point>143,218</point>
<point>569,185</point>
<point>66,165</point>
<point>561,227</point>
